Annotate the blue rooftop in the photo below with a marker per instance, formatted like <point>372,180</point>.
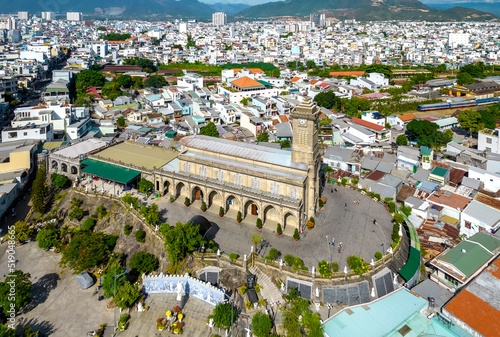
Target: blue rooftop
<point>379,318</point>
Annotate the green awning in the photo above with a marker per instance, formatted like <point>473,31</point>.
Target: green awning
<point>412,265</point>
<point>111,172</point>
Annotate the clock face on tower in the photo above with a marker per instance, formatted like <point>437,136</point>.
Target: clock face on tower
<point>302,122</point>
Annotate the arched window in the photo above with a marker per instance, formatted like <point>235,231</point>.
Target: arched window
<point>255,183</point>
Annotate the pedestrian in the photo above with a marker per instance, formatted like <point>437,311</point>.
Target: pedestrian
<point>340,248</point>
<point>331,191</point>
<point>346,204</point>
<point>336,190</point>
<point>333,242</point>
<point>374,221</point>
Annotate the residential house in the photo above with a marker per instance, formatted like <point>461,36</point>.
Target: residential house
<point>408,158</point>
<point>457,266</point>
<point>439,175</point>
<point>491,181</point>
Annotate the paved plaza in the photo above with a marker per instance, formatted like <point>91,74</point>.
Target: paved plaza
<point>351,225</point>
<point>60,307</point>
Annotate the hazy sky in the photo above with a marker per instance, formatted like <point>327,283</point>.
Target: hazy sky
<point>248,2</point>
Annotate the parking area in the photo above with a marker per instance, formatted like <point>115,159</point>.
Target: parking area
<point>60,307</point>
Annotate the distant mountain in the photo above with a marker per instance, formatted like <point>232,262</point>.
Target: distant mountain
<point>490,7</point>
<point>229,9</point>
<point>122,8</point>
<point>364,10</point>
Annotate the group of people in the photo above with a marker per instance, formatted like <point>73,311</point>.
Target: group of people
<point>340,245</point>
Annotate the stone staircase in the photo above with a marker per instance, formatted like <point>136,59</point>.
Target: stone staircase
<point>269,291</point>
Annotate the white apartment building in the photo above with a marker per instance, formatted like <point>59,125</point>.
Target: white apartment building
<point>43,132</point>
<point>23,15</point>
<point>48,16</point>
<point>219,18</point>
<point>456,39</point>
<point>74,16</point>
<point>489,142</point>
<point>100,48</point>
<point>8,23</point>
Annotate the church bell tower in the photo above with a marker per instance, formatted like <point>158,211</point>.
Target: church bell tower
<point>305,150</point>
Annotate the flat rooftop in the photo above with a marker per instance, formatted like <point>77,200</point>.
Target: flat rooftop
<point>139,155</point>
<point>74,151</point>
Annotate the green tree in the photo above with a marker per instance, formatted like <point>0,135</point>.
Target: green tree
<point>473,70</point>
<point>125,81</point>
<point>87,250</point>
<point>145,186</point>
<point>261,324</point>
<point>138,82</point>
<point>88,224</point>
<point>5,331</point>
<point>39,189</point>
<point>285,144</point>
<point>140,236</point>
<point>48,237</point>
<point>328,100</point>
<point>465,78</point>
<point>21,284</point>
<point>111,90</point>
<point>312,323</point>
<point>87,78</point>
<point>144,262</point>
<point>22,230</point>
<point>402,140</point>
<point>263,137</point>
<point>273,254</point>
<point>58,180</point>
<point>209,130</point>
<point>469,119</point>
<point>127,295</point>
<point>151,214</point>
<point>222,316</point>
<point>310,64</point>
<point>296,235</point>
<point>120,122</point>
<point>108,281</point>
<point>29,332</point>
<point>155,81</point>
<point>181,240</point>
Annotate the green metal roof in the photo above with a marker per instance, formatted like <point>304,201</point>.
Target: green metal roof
<point>267,84</point>
<point>425,151</point>
<point>439,171</point>
<point>109,171</point>
<point>61,89</point>
<point>412,265</point>
<point>473,258</point>
<point>486,240</point>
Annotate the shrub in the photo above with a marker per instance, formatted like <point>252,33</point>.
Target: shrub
<point>144,262</point>
<point>88,224</point>
<point>378,255</point>
<point>187,202</point>
<point>127,230</point>
<point>59,180</point>
<point>289,259</point>
<point>273,254</point>
<point>279,230</point>
<point>312,219</point>
<point>297,264</point>
<point>47,237</point>
<point>233,256</point>
<point>140,236</point>
<point>395,232</point>
<point>257,288</point>
<point>243,290</point>
<point>123,317</point>
<point>357,264</point>
<point>324,268</point>
<point>130,200</point>
<point>262,302</point>
<point>203,206</point>
<point>335,267</point>
<point>309,225</point>
<point>259,223</point>
<point>343,181</point>
<point>406,210</point>
<point>221,211</point>
<point>398,218</point>
<point>392,207</point>
<point>101,211</point>
<point>76,212</point>
<point>354,182</point>
<point>238,216</point>
<point>248,305</point>
<point>377,196</point>
<point>296,235</point>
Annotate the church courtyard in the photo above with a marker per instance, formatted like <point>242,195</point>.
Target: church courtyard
<point>351,225</point>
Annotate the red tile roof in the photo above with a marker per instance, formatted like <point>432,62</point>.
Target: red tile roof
<point>295,79</point>
<point>367,124</point>
<point>453,200</point>
<point>246,82</point>
<point>406,118</point>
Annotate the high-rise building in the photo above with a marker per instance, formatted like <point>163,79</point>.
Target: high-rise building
<point>48,16</point>
<point>23,15</point>
<point>219,18</point>
<point>74,16</point>
<point>319,20</point>
<point>183,27</point>
<point>8,23</point>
